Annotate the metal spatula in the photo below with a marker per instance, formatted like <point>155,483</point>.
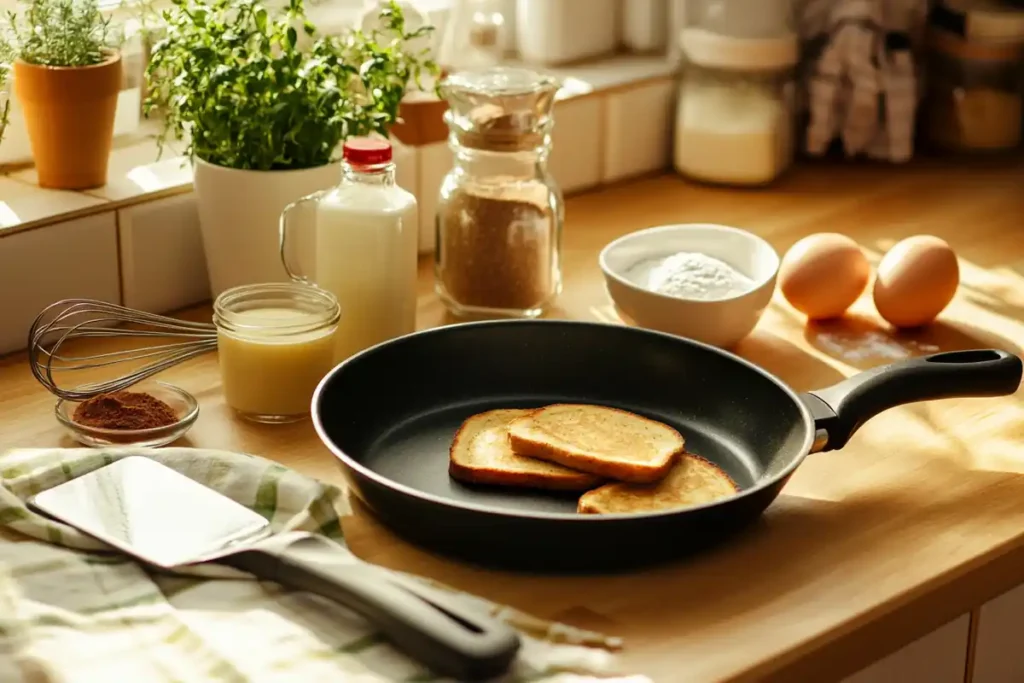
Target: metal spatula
<point>165,519</point>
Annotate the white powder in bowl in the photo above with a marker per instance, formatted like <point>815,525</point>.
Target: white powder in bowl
<point>691,275</point>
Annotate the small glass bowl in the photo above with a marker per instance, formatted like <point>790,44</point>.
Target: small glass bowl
<point>183,403</point>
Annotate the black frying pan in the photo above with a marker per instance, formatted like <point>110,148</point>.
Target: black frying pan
<point>389,415</point>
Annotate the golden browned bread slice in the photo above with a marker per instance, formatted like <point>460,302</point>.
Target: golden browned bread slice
<point>481,454</point>
<point>691,481</point>
<point>608,442</point>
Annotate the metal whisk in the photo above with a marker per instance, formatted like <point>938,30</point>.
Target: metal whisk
<point>74,319</point>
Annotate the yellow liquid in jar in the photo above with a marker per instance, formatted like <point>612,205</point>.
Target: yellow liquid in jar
<point>270,374</point>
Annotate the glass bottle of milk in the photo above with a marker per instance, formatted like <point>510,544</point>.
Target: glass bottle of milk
<point>365,247</point>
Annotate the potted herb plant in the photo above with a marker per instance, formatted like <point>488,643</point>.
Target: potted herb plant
<point>264,116</point>
<point>6,58</point>
<point>67,76</point>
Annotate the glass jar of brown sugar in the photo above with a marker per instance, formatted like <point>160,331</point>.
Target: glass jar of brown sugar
<point>500,213</point>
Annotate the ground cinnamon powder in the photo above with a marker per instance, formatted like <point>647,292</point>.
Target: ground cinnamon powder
<point>125,410</point>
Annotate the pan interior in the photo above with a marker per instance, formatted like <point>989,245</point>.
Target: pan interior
<point>410,453</point>
<point>396,408</point>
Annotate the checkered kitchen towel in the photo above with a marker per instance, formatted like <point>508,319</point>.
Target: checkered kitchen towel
<point>860,76</point>
<point>71,614</point>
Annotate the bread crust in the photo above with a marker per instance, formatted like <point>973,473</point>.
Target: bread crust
<point>578,482</point>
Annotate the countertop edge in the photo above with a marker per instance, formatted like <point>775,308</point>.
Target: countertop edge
<point>892,625</point>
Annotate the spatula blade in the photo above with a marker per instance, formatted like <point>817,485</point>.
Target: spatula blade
<point>151,512</point>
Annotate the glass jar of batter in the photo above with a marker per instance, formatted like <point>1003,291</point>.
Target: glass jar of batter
<point>275,342</point>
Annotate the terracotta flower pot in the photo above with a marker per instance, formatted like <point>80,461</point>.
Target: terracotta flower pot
<point>69,113</point>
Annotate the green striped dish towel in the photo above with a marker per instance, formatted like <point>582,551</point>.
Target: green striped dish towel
<point>71,611</point>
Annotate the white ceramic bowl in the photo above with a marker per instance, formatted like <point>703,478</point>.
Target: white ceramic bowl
<point>721,322</point>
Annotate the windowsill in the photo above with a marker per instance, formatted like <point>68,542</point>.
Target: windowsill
<point>138,174</point>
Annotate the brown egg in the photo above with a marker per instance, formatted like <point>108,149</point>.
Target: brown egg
<point>916,280</point>
<point>823,274</point>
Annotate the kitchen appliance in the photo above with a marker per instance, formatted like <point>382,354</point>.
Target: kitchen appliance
<point>389,415</point>
<point>139,507</point>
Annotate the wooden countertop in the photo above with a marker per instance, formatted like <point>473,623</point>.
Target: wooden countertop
<point>918,520</point>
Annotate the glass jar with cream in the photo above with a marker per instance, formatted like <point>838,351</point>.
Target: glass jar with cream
<point>275,343</point>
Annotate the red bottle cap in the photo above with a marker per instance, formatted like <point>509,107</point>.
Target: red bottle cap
<point>367,151</point>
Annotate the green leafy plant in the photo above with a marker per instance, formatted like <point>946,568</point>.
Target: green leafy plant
<point>61,33</point>
<point>6,59</point>
<point>233,80</point>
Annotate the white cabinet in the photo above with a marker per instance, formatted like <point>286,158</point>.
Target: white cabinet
<point>939,657</point>
<point>998,655</point>
<point>73,259</point>
<point>162,255</point>
<point>638,133</point>
<point>576,143</point>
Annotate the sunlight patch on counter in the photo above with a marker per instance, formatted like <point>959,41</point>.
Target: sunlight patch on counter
<point>8,217</point>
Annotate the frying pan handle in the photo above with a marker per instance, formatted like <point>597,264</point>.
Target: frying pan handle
<point>841,409</point>
<point>426,623</point>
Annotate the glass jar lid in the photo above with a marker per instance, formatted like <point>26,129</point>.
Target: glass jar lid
<point>740,54</point>
<point>981,20</point>
<point>744,19</point>
<point>280,310</point>
<point>743,35</point>
<point>503,109</point>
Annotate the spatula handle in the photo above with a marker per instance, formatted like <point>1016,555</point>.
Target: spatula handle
<point>427,624</point>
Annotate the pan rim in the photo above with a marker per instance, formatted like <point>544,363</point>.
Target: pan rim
<point>352,464</point>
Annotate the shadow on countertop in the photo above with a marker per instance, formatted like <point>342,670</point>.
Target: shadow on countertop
<point>863,343</point>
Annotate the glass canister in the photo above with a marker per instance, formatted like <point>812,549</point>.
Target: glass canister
<point>735,119</point>
<point>975,95</point>
<point>475,35</point>
<point>500,212</point>
<point>747,19</point>
<point>275,342</point>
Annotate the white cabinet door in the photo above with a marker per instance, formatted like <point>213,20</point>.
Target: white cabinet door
<point>576,143</point>
<point>939,657</point>
<point>998,655</point>
<point>75,259</point>
<point>638,130</point>
<point>162,255</point>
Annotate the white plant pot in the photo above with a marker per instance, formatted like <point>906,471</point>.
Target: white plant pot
<point>239,213</point>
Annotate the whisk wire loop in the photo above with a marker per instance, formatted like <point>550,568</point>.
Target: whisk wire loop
<point>72,320</point>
